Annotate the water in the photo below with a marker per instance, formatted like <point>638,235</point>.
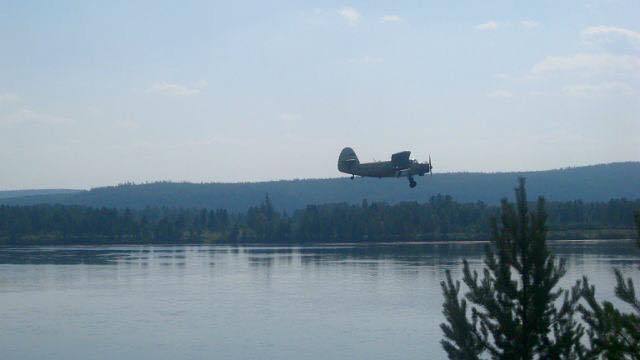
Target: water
<point>223,302</point>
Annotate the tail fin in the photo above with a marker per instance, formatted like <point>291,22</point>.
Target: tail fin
<point>348,160</point>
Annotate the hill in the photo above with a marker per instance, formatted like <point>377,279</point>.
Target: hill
<point>587,183</point>
<point>5,194</point>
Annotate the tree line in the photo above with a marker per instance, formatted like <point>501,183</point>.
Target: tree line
<point>440,218</point>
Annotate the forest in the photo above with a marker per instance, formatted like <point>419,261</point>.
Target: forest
<point>588,183</point>
<point>439,218</point>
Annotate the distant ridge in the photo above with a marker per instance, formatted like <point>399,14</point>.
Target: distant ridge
<point>587,183</point>
<point>4,194</point>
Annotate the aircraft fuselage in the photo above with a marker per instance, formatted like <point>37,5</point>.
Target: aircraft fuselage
<point>399,166</point>
<point>387,169</point>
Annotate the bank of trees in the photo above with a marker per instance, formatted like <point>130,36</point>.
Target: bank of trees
<point>440,218</point>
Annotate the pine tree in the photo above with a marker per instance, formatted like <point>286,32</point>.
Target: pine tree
<point>513,307</point>
<point>637,221</point>
<point>612,333</point>
<point>462,340</point>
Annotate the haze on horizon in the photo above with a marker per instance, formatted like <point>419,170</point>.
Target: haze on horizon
<point>98,94</point>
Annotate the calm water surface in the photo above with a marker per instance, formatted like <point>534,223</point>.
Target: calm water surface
<point>223,302</point>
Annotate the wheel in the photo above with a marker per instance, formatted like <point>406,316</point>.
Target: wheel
<point>353,177</point>
<point>412,184</point>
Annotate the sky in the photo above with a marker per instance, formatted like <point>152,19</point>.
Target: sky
<point>100,93</point>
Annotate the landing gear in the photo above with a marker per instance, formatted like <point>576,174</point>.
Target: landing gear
<point>412,183</point>
<point>353,176</point>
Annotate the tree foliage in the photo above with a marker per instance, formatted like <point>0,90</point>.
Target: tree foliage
<point>613,334</point>
<point>513,312</point>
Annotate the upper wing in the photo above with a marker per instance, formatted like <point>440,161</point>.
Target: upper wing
<point>401,160</point>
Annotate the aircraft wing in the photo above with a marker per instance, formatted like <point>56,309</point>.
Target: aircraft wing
<point>401,160</point>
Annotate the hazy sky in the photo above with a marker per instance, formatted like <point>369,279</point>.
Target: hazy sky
<point>101,92</point>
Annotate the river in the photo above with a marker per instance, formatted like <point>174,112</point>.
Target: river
<point>378,301</point>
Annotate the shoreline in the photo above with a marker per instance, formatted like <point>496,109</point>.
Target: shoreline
<point>296,245</point>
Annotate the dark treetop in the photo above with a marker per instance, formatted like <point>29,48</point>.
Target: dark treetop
<point>439,218</point>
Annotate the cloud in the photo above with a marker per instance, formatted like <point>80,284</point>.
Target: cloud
<point>488,26</point>
<point>390,18</point>
<point>314,16</point>
<point>15,111</point>
<point>591,90</point>
<point>500,94</point>
<point>494,25</point>
<point>8,98</point>
<point>289,116</point>
<point>127,124</point>
<point>529,24</point>
<point>539,93</point>
<point>366,60</point>
<point>26,115</point>
<point>610,34</point>
<point>351,15</point>
<point>166,88</point>
<point>589,64</point>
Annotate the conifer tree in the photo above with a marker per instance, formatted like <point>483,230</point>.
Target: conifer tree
<point>637,221</point>
<point>513,313</point>
<point>612,333</point>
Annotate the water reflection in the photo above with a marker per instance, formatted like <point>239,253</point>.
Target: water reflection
<point>619,253</point>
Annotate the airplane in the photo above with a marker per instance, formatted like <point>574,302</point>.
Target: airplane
<point>399,166</point>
